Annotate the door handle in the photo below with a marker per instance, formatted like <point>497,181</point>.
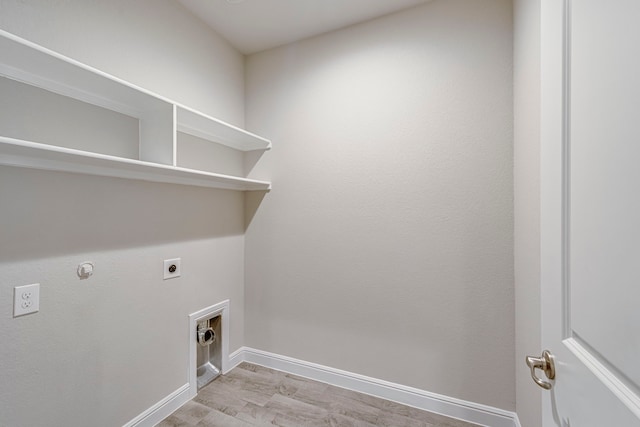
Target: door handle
<point>546,365</point>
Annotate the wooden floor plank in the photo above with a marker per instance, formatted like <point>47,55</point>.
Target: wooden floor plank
<point>253,395</point>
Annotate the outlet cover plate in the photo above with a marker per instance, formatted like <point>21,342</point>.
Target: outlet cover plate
<point>168,264</point>
<point>26,299</point>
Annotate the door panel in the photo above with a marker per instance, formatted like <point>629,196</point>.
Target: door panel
<point>590,206</point>
<point>604,183</point>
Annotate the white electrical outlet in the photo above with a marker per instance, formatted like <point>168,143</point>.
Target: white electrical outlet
<point>26,299</point>
<point>171,268</point>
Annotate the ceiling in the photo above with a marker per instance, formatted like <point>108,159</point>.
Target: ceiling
<point>255,25</point>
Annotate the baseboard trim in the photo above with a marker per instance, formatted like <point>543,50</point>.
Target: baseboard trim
<point>236,358</point>
<point>162,409</point>
<point>455,408</point>
<point>517,421</point>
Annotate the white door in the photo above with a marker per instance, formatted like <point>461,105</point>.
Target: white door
<point>590,209</point>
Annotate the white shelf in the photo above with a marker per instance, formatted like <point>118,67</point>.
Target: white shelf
<point>30,63</point>
<point>160,119</point>
<point>209,128</point>
<point>14,152</point>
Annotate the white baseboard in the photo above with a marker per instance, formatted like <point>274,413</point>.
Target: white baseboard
<point>517,421</point>
<point>444,405</point>
<point>162,409</point>
<point>237,357</point>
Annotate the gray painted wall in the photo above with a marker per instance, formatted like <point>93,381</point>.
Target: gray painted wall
<point>386,246</point>
<point>527,204</point>
<point>101,351</point>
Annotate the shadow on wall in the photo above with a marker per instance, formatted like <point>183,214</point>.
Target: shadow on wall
<point>252,199</point>
<point>52,213</point>
<point>252,202</point>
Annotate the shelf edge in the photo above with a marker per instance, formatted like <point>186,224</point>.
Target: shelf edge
<point>255,143</point>
<point>33,155</point>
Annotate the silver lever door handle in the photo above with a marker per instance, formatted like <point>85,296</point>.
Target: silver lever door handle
<point>544,363</point>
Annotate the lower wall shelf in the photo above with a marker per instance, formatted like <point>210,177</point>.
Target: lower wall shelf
<point>14,152</point>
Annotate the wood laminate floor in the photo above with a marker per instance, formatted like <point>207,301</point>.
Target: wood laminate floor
<point>252,395</point>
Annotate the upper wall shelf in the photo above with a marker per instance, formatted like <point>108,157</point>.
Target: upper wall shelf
<point>33,155</point>
<point>209,128</point>
<point>160,119</point>
<point>35,65</point>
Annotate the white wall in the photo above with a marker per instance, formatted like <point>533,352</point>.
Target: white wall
<point>386,245</point>
<point>527,204</point>
<point>102,350</point>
